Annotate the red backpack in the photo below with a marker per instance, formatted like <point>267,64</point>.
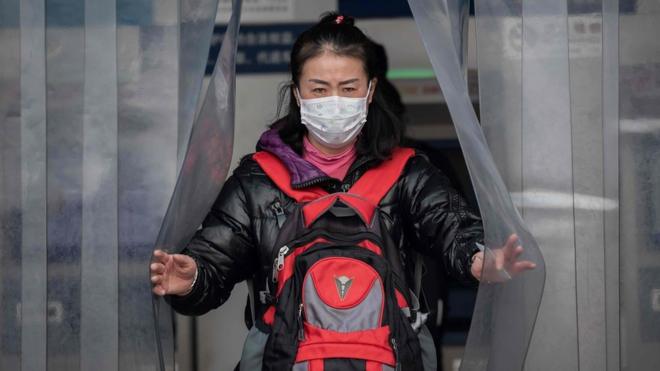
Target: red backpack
<point>340,295</point>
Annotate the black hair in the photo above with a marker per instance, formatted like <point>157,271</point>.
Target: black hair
<point>337,33</point>
<point>387,89</point>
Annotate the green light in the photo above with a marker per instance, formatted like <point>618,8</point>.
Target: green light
<point>410,73</point>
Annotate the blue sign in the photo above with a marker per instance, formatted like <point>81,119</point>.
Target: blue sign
<point>400,8</point>
<point>375,8</point>
<point>261,48</point>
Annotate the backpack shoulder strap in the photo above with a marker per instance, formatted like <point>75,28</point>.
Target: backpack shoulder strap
<point>279,174</point>
<point>374,184</point>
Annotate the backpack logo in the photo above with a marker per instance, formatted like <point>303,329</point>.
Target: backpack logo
<point>343,283</point>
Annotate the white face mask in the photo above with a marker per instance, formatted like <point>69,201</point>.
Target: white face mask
<point>334,121</point>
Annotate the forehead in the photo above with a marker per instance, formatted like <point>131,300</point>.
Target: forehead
<point>331,67</point>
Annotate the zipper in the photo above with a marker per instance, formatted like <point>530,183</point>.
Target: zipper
<point>358,164</point>
<point>279,213</point>
<point>366,235</point>
<point>278,263</point>
<point>301,329</point>
<point>312,182</point>
<point>396,354</point>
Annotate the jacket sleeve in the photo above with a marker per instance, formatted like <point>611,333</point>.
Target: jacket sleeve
<point>439,220</point>
<point>224,251</point>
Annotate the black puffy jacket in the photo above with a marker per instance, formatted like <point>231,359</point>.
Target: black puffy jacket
<point>422,212</point>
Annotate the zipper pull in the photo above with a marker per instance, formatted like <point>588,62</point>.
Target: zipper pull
<point>301,328</point>
<point>279,213</point>
<point>278,264</point>
<point>396,354</point>
<point>280,257</point>
<point>274,271</point>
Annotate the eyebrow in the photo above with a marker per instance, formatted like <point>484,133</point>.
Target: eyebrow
<point>322,82</point>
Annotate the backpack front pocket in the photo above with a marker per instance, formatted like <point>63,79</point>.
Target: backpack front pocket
<point>343,303</point>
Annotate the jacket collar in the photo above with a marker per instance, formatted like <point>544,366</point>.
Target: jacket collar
<point>303,173</point>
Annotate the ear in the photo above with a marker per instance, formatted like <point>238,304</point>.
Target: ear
<point>374,82</point>
<point>295,93</point>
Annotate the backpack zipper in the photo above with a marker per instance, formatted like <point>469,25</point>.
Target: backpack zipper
<point>278,263</point>
<point>396,354</point>
<point>301,329</point>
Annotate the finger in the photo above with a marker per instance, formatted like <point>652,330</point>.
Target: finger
<point>510,245</point>
<point>158,290</point>
<point>512,241</point>
<point>477,265</point>
<point>157,268</point>
<point>493,258</point>
<point>499,256</point>
<point>499,262</point>
<point>516,252</point>
<point>157,279</point>
<point>161,256</point>
<point>522,266</point>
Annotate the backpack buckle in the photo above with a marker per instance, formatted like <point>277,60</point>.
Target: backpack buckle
<point>418,319</point>
<point>266,298</point>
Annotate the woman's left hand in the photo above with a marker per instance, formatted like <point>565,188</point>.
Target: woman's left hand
<point>503,263</point>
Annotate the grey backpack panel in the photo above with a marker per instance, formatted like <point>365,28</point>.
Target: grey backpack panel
<point>253,350</point>
<point>429,358</point>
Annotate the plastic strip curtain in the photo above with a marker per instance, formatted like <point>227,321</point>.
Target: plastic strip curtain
<point>552,78</point>
<point>568,97</point>
<point>523,59</point>
<point>197,21</point>
<point>147,82</point>
<point>93,99</point>
<point>22,194</point>
<point>611,236</point>
<point>639,182</point>
<point>505,312</point>
<point>206,162</point>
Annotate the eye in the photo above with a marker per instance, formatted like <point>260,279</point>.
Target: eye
<point>318,90</point>
<point>349,89</point>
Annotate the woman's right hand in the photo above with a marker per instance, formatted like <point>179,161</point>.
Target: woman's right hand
<point>172,274</point>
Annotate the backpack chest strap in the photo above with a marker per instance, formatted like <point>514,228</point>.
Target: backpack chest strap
<point>363,197</point>
<point>376,182</point>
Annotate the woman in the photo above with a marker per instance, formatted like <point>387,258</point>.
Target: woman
<point>330,62</point>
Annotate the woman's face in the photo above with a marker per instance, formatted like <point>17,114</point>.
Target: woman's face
<point>330,74</point>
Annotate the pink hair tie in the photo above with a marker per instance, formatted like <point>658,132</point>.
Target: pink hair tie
<point>340,19</point>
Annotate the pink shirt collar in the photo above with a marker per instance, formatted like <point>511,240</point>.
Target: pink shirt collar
<point>335,166</point>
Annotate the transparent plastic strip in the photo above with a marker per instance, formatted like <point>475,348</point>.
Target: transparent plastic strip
<point>99,323</point>
<point>610,96</point>
<point>10,186</point>
<point>499,61</point>
<point>205,166</point>
<point>65,63</point>
<point>33,178</point>
<point>147,129</point>
<point>639,184</point>
<point>547,177</point>
<point>505,312</point>
<point>196,28</point>
<point>585,41</point>
<point>208,154</point>
<point>459,11</point>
